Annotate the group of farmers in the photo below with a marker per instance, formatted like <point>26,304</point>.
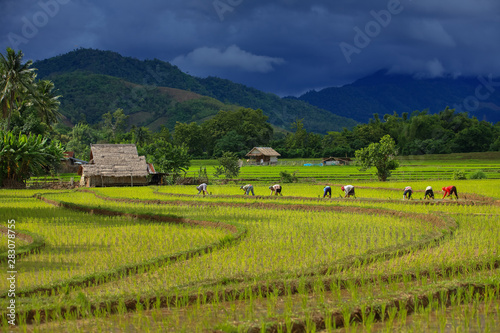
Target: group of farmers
<point>347,189</point>
<point>275,189</point>
<point>449,191</point>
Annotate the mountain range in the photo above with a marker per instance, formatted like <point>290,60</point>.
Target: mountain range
<point>154,93</point>
<point>385,93</point>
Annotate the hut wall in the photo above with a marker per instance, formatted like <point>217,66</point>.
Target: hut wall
<point>98,181</point>
<point>121,181</point>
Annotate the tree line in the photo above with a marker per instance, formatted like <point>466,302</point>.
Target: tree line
<point>240,130</point>
<point>417,134</point>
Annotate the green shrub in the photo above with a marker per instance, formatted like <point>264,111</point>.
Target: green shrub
<point>287,177</point>
<point>479,174</point>
<point>459,175</point>
<point>22,156</point>
<point>229,166</point>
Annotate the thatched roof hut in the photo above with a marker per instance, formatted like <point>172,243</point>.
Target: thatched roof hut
<point>263,155</point>
<point>114,165</point>
<point>337,161</point>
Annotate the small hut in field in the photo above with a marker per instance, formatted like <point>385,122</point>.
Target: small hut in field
<point>263,156</point>
<point>114,165</point>
<point>337,161</point>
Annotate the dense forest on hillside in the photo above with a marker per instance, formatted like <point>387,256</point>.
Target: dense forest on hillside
<point>87,96</point>
<point>148,72</point>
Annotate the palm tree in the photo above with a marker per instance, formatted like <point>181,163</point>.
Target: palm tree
<point>46,102</point>
<point>16,79</point>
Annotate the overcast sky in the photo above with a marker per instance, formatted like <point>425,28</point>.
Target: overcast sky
<point>282,46</point>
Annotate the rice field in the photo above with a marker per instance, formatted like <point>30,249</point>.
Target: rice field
<point>412,168</point>
<point>164,259</point>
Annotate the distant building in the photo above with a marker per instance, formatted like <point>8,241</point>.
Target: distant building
<point>337,161</point>
<point>70,164</point>
<point>263,156</point>
<point>114,165</point>
<point>156,178</point>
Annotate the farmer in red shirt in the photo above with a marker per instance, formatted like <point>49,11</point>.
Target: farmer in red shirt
<point>449,191</point>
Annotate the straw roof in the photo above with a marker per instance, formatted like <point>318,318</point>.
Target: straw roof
<point>121,160</point>
<point>259,151</point>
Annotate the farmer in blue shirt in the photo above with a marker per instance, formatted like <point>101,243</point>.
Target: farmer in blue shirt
<point>407,192</point>
<point>327,191</point>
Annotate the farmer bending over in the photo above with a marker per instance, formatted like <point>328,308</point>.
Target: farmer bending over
<point>407,193</point>
<point>449,191</point>
<point>348,190</point>
<point>327,191</point>
<point>276,189</point>
<point>429,192</point>
<point>247,188</point>
<point>202,187</point>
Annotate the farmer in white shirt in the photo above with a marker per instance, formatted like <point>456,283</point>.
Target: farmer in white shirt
<point>276,189</point>
<point>348,190</point>
<point>429,192</point>
<point>202,187</point>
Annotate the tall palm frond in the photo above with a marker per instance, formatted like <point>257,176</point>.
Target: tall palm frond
<point>46,102</point>
<point>16,79</point>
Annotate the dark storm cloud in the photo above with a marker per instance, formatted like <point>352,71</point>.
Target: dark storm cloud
<point>282,46</point>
